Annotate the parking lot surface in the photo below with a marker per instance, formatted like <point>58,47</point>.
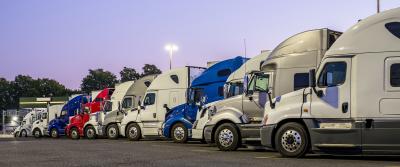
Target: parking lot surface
<point>104,152</point>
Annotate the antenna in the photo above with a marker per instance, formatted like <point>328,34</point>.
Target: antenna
<point>378,6</point>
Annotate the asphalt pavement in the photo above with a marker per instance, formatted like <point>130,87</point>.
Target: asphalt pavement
<point>103,152</point>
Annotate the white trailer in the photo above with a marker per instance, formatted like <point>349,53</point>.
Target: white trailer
<point>352,104</point>
<point>39,127</point>
<point>166,91</point>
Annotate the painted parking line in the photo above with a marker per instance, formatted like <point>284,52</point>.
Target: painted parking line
<point>206,151</point>
<point>268,157</point>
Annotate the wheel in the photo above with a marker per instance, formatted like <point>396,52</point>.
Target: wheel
<point>133,132</point>
<point>291,140</point>
<point>179,133</point>
<point>112,131</point>
<point>23,133</point>
<point>54,133</point>
<point>74,133</point>
<point>227,137</point>
<point>90,132</point>
<point>16,134</point>
<point>37,133</point>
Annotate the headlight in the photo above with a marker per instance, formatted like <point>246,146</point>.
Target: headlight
<point>211,111</point>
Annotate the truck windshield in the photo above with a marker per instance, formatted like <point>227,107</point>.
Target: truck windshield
<point>233,89</point>
<point>195,95</point>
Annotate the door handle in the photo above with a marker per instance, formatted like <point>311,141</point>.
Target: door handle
<point>345,107</point>
<point>154,115</point>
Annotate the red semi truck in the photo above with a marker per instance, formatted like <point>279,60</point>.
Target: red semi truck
<point>77,122</point>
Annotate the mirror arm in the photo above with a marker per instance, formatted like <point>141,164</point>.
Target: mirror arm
<point>319,93</point>
<point>271,104</point>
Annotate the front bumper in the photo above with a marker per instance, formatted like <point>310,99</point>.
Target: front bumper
<point>266,133</point>
<point>208,129</point>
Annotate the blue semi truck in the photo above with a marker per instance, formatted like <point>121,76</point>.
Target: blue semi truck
<point>57,126</point>
<point>206,88</point>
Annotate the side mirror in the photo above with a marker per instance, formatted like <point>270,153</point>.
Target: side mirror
<point>55,116</point>
<point>119,106</point>
<point>312,80</point>
<point>165,106</point>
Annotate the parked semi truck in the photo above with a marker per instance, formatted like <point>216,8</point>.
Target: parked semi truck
<point>73,106</point>
<point>352,104</point>
<point>237,120</point>
<point>108,122</point>
<point>75,127</point>
<point>168,90</point>
<point>39,127</point>
<point>25,128</point>
<point>206,88</point>
<point>233,87</point>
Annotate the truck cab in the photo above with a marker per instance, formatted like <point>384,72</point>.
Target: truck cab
<point>351,104</point>
<point>25,129</point>
<point>206,88</point>
<point>75,127</point>
<point>39,127</point>
<point>237,120</point>
<point>108,122</point>
<point>233,87</point>
<point>57,126</point>
<point>168,90</point>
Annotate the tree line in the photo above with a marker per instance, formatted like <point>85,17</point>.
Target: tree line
<point>97,79</point>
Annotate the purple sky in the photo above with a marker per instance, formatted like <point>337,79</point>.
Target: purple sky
<point>63,39</point>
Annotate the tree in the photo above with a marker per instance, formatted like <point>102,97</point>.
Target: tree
<point>5,98</point>
<point>49,87</point>
<point>149,69</point>
<point>98,79</point>
<point>129,74</point>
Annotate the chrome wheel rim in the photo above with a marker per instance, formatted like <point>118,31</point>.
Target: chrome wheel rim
<point>112,132</point>
<point>90,133</point>
<point>179,133</point>
<point>54,133</point>
<point>132,132</point>
<point>37,134</point>
<point>291,140</point>
<point>226,137</point>
<point>74,133</point>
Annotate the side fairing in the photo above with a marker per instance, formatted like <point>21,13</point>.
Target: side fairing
<point>286,106</point>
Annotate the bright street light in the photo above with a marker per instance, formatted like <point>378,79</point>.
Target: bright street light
<point>15,118</point>
<point>171,48</point>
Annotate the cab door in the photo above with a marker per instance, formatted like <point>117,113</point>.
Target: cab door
<point>330,107</point>
<point>255,97</point>
<point>149,110</point>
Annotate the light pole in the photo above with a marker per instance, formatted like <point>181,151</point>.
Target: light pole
<point>171,48</point>
<point>378,6</point>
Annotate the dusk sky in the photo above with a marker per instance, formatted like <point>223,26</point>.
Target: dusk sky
<point>63,39</point>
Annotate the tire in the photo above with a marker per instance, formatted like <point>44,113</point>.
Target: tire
<point>112,131</point>
<point>179,133</point>
<point>291,140</point>
<point>16,134</point>
<point>74,133</point>
<point>133,132</point>
<point>23,133</point>
<point>36,133</point>
<point>90,132</point>
<point>54,133</point>
<point>227,137</point>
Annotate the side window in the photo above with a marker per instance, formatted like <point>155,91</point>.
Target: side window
<point>127,103</point>
<point>262,83</point>
<point>150,99</point>
<point>98,99</point>
<point>224,72</point>
<point>147,83</point>
<point>394,28</point>
<point>300,81</point>
<point>395,75</point>
<point>175,78</point>
<point>44,116</point>
<point>333,74</point>
<point>251,84</point>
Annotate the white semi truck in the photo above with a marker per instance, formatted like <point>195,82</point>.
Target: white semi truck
<point>233,87</point>
<point>352,104</point>
<point>166,91</point>
<point>111,121</point>
<point>39,127</point>
<point>25,129</point>
<point>236,121</point>
<point>111,110</point>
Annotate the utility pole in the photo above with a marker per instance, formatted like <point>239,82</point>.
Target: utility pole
<point>378,6</point>
<point>3,126</point>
